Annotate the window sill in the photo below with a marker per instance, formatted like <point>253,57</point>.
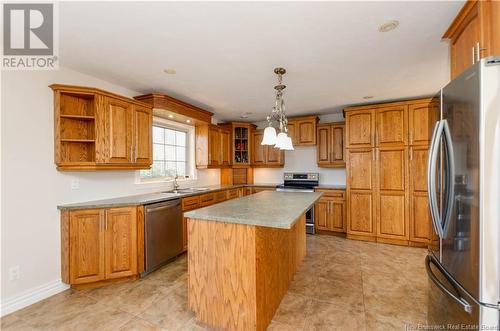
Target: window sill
<point>143,182</point>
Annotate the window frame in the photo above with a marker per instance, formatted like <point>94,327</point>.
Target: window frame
<point>190,161</point>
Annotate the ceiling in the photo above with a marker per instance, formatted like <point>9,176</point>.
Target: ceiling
<point>224,53</point>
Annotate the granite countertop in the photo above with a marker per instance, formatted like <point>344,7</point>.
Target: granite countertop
<point>267,208</point>
<point>144,199</point>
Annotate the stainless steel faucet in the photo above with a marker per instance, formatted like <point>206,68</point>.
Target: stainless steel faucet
<point>176,185</point>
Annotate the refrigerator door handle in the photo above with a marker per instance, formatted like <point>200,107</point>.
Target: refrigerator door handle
<point>431,177</point>
<point>456,297</point>
<point>450,178</point>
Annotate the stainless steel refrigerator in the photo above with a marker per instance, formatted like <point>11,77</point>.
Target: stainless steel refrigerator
<point>463,263</point>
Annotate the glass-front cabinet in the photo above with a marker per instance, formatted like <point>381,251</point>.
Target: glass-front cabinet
<point>241,133</point>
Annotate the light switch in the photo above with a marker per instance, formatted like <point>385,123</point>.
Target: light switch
<point>75,184</point>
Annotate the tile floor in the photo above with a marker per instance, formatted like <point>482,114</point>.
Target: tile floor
<point>342,285</point>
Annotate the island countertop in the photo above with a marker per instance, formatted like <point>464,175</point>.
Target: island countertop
<point>268,209</point>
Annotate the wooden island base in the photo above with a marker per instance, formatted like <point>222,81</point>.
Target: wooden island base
<point>238,274</point>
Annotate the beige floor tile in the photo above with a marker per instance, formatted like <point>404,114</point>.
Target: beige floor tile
<point>328,316</point>
<point>138,324</point>
<point>293,310</point>
<point>277,326</point>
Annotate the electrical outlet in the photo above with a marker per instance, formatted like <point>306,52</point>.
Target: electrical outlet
<point>14,273</point>
<point>75,184</point>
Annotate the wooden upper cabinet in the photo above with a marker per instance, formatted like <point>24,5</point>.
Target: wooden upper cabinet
<point>360,128</point>
<point>391,126</point>
<point>473,34</point>
<point>330,145</point>
<point>302,130</point>
<point>258,150</point>
<point>422,118</point>
<point>95,130</point>
<point>86,246</point>
<point>323,149</point>
<point>212,146</point>
<point>121,242</point>
<point>239,143</point>
<point>265,156</point>
<point>142,141</point>
<point>360,169</point>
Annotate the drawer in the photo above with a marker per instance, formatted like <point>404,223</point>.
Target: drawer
<point>340,194</point>
<point>220,196</point>
<point>247,191</point>
<point>191,203</point>
<point>207,199</point>
<point>232,194</point>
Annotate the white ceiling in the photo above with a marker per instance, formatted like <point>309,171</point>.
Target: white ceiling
<point>225,52</point>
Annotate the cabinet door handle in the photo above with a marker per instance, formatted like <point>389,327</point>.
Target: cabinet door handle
<point>411,136</point>
<point>373,155</point>
<point>473,55</point>
<point>478,52</point>
<point>411,153</point>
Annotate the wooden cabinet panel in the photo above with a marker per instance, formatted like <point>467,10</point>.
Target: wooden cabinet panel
<point>232,194</point>
<point>220,196</point>
<point>143,126</point>
<point>360,217</point>
<point>392,126</point>
<point>207,199</point>
<point>360,127</point>
<point>338,218</point>
<point>306,132</point>
<point>274,156</point>
<point>258,150</point>
<point>190,203</point>
<point>121,242</point>
<point>323,149</point>
<point>321,213</point>
<point>214,145</point>
<point>360,169</point>
<point>421,120</point>
<point>184,233</point>
<point>86,246</point>
<point>338,153</point>
<point>225,138</point>
<point>118,144</point>
<point>292,132</point>
<point>391,196</point>
<point>420,217</point>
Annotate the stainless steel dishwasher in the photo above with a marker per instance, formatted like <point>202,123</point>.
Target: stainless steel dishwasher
<point>162,233</point>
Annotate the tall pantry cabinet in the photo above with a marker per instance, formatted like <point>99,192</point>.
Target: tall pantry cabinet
<point>386,163</point>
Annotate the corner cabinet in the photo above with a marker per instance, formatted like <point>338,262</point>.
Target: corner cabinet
<point>98,130</point>
<point>101,245</point>
<point>473,34</point>
<point>387,146</point>
<point>330,151</point>
<point>240,142</point>
<point>264,156</point>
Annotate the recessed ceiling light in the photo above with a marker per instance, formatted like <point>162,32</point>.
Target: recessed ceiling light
<point>170,116</point>
<point>388,26</point>
<point>368,97</point>
<point>170,71</point>
<point>246,114</point>
<point>188,121</point>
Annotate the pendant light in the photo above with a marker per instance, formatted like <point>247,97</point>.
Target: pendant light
<point>280,140</point>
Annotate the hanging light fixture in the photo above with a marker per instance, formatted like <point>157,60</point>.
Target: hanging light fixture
<point>280,140</point>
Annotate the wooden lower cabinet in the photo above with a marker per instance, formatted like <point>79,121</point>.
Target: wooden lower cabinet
<point>420,217</point>
<point>360,215</point>
<point>330,212</point>
<point>99,245</point>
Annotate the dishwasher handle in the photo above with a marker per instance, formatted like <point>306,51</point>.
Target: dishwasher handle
<point>162,205</point>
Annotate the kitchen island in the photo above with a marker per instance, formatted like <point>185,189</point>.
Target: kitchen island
<point>242,256</point>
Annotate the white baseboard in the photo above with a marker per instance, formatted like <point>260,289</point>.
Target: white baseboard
<point>31,296</point>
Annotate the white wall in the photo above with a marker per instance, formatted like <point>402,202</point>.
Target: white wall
<point>32,187</point>
<point>302,159</point>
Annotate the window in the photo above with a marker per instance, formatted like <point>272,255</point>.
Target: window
<point>170,153</point>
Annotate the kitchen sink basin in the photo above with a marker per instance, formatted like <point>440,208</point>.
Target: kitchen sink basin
<point>188,190</point>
